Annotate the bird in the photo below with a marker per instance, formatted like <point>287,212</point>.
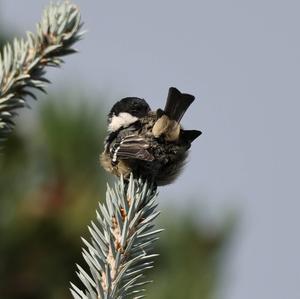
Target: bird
<point>152,145</point>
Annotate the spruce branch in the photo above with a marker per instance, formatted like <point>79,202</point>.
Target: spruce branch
<point>22,63</point>
<point>119,251</point>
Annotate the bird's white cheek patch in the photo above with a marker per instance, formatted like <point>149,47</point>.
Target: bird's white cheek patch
<point>124,119</point>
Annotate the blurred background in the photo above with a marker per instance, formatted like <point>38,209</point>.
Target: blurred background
<point>231,219</point>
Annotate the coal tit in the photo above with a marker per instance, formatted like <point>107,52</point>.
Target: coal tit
<point>149,144</point>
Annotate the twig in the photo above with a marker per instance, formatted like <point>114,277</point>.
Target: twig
<point>119,251</point>
<point>22,63</point>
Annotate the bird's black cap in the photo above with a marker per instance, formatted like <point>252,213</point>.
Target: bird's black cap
<point>135,106</point>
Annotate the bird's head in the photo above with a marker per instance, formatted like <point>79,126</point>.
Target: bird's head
<point>125,112</point>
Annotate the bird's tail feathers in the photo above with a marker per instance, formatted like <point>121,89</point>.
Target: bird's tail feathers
<point>190,135</point>
<point>177,104</point>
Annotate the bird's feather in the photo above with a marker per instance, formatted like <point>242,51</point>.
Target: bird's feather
<point>177,104</point>
<point>131,147</point>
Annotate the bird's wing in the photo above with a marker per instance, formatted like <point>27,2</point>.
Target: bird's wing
<point>131,147</point>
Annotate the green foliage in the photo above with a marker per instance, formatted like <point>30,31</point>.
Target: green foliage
<point>46,199</point>
<point>22,63</point>
<point>189,261</point>
<point>119,252</point>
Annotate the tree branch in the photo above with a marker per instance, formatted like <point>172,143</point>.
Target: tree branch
<point>22,63</point>
<point>119,251</point>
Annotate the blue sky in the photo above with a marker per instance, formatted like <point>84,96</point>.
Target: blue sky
<point>241,60</point>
